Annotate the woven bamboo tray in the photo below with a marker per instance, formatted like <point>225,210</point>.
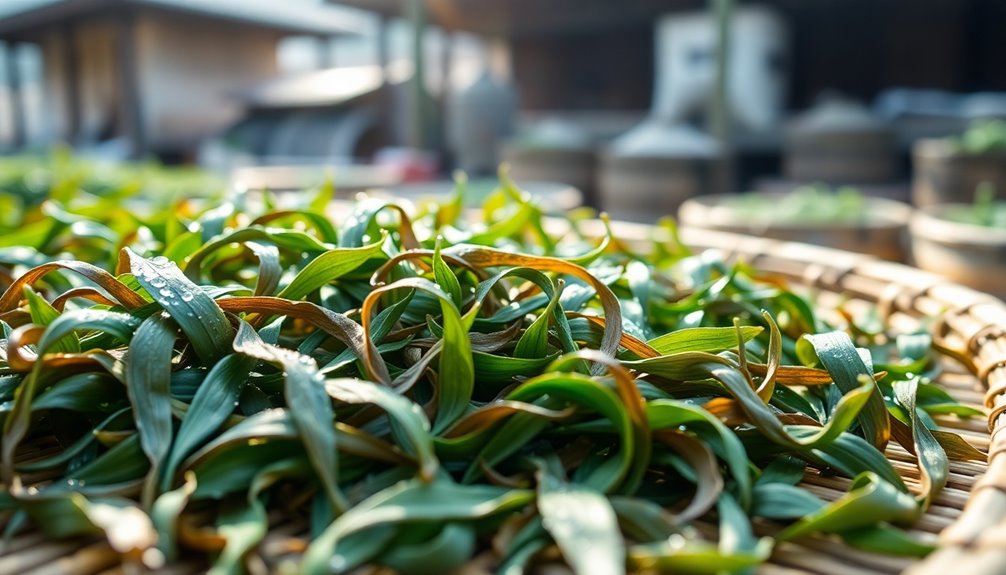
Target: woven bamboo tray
<point>968,519</point>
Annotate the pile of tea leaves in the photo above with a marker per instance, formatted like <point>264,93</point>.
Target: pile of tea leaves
<point>981,137</point>
<point>987,209</point>
<point>811,204</point>
<point>313,389</point>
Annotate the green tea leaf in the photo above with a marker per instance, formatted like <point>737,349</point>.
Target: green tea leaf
<point>328,267</point>
<point>672,414</point>
<point>782,501</point>
<point>583,524</point>
<point>534,342</point>
<point>309,405</point>
<point>198,316</point>
<point>408,418</point>
<point>870,500</point>
<point>693,557</point>
<point>213,403</point>
<point>42,313</point>
<point>707,339</point>
<point>165,513</point>
<point>410,501</point>
<point>446,552</point>
<point>887,540</point>
<point>445,277</point>
<point>456,372</point>
<point>148,384</point>
<point>933,463</point>
<point>839,356</point>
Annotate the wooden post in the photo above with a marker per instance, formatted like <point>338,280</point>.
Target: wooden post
<point>17,110</point>
<point>419,119</point>
<point>719,114</point>
<point>326,52</point>
<point>386,125</point>
<point>446,60</point>
<point>383,49</point>
<point>71,82</point>
<point>131,110</point>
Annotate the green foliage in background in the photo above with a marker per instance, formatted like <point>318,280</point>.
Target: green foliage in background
<point>982,137</point>
<point>814,204</point>
<point>986,210</point>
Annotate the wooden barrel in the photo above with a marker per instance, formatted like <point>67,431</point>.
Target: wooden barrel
<point>552,196</point>
<point>647,188</point>
<point>968,254</point>
<point>840,141</point>
<point>882,234</point>
<point>942,174</point>
<point>848,156</point>
<point>573,166</point>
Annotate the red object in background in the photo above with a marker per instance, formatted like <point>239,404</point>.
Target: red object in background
<point>412,165</point>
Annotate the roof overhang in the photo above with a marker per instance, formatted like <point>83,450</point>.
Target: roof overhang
<point>22,19</point>
<point>323,88</point>
<point>520,17</point>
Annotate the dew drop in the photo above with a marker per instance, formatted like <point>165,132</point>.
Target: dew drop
<point>167,293</point>
<point>157,282</point>
<point>186,296</point>
<point>160,261</point>
<point>676,541</point>
<point>153,558</point>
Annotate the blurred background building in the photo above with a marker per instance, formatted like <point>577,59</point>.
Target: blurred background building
<point>155,76</point>
<point>642,96</point>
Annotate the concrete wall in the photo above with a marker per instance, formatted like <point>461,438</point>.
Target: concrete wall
<point>188,70</point>
<point>95,45</point>
<point>30,98</point>
<point>55,123</point>
<point>92,44</point>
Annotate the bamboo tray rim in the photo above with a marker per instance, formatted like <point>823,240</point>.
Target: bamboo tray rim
<point>888,215</point>
<point>928,222</point>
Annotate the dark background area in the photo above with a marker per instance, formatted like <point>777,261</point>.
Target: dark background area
<point>857,47</point>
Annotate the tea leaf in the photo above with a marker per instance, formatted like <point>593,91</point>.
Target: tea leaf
<point>583,524</point>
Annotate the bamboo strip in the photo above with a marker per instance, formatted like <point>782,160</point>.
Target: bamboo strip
<point>797,556</point>
<point>35,555</point>
<point>90,559</point>
<point>863,559</point>
<point>974,425</point>
<point>20,542</point>
<point>833,545</point>
<point>773,569</point>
